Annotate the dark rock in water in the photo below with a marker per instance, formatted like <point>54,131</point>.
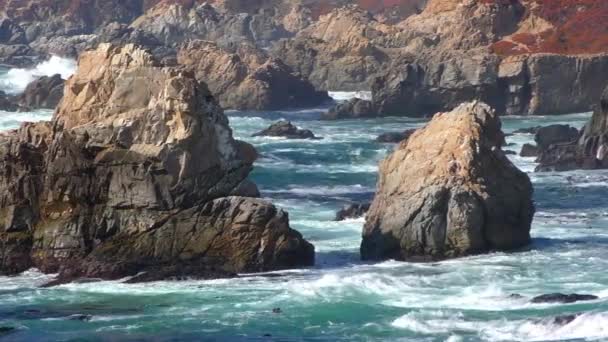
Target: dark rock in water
<point>515,296</point>
<point>354,210</point>
<point>351,109</point>
<point>7,330</point>
<point>555,134</point>
<point>8,103</point>
<point>80,317</point>
<point>509,152</point>
<point>461,199</point>
<point>287,130</point>
<point>44,92</point>
<point>395,137</point>
<point>565,319</point>
<point>277,310</point>
<point>529,130</point>
<point>562,298</point>
<point>589,151</point>
<point>529,150</point>
<point>135,177</point>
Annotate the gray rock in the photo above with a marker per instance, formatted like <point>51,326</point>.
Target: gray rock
<point>351,109</point>
<point>287,130</point>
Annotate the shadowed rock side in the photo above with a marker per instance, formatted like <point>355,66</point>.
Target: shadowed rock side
<point>449,191</point>
<point>589,151</point>
<point>286,129</point>
<point>134,174</point>
<point>249,79</point>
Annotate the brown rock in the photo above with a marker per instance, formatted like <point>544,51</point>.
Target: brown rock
<point>134,175</point>
<point>249,79</point>
<point>449,191</point>
<point>44,92</point>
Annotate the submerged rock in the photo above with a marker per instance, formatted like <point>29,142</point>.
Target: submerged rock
<point>565,319</point>
<point>563,298</point>
<point>287,130</point>
<point>351,109</point>
<point>135,175</point>
<point>354,210</point>
<point>395,137</point>
<point>8,103</point>
<point>449,191</point>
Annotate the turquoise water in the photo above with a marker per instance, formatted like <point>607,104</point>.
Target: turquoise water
<point>342,298</point>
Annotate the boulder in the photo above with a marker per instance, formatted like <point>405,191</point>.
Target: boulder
<point>136,174</point>
<point>555,134</point>
<point>395,137</point>
<point>287,130</point>
<point>249,79</point>
<point>354,210</point>
<point>449,191</point>
<point>563,298</point>
<point>529,150</point>
<point>351,109</point>
<point>588,151</point>
<point>44,92</point>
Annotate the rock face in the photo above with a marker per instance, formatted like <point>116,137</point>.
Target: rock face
<point>555,134</point>
<point>45,92</point>
<point>135,173</point>
<point>287,130</point>
<point>351,109</point>
<point>449,191</point>
<point>590,151</point>
<point>249,79</point>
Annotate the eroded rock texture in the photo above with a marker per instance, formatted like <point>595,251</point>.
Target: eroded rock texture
<point>137,172</point>
<point>449,191</point>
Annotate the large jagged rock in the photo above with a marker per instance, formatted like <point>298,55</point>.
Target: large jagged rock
<point>136,173</point>
<point>249,79</point>
<point>449,191</point>
<point>590,151</point>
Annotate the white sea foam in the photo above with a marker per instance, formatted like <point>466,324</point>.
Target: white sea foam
<point>348,95</point>
<point>16,80</point>
<point>325,190</point>
<point>11,120</point>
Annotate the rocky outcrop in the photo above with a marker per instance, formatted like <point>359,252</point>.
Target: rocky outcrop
<point>136,174</point>
<point>286,129</point>
<point>555,134</point>
<point>352,211</point>
<point>351,109</point>
<point>589,151</point>
<point>249,78</point>
<point>395,137</point>
<point>529,150</point>
<point>44,92</point>
<point>449,191</point>
<point>563,298</point>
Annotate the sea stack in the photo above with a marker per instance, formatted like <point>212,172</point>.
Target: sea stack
<point>137,174</point>
<point>449,191</point>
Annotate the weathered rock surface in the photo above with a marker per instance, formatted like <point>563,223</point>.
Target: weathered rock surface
<point>354,210</point>
<point>589,151</point>
<point>529,150</point>
<point>249,78</point>
<point>44,92</point>
<point>395,137</point>
<point>135,173</point>
<point>351,109</point>
<point>449,191</point>
<point>287,130</point>
<point>563,298</point>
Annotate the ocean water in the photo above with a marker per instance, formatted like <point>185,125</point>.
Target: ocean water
<point>342,298</point>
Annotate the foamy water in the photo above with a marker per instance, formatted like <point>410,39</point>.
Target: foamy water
<point>14,81</point>
<point>341,298</point>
